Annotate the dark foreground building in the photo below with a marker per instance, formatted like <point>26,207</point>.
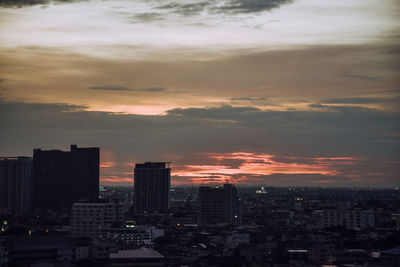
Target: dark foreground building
<point>219,205</point>
<point>15,185</point>
<point>64,177</point>
<point>152,186</point>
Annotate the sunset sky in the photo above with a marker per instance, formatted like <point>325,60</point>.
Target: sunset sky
<point>274,92</point>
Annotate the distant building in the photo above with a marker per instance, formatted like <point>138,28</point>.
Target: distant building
<point>219,205</point>
<point>136,257</point>
<point>15,185</point>
<point>64,177</point>
<point>3,257</point>
<point>279,219</point>
<point>41,250</point>
<point>361,219</point>
<point>355,218</point>
<point>131,236</point>
<point>391,257</point>
<point>88,219</point>
<point>152,188</point>
<point>328,218</point>
<point>320,253</point>
<point>355,257</point>
<point>396,218</point>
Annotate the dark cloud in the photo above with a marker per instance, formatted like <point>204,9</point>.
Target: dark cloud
<point>22,3</point>
<point>252,6</point>
<point>187,9</point>
<point>147,17</point>
<point>364,77</point>
<point>219,113</point>
<point>253,100</point>
<point>356,100</point>
<point>233,6</point>
<point>122,88</point>
<point>181,133</point>
<point>361,100</point>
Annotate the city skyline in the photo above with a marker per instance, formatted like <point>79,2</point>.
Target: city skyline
<point>275,92</point>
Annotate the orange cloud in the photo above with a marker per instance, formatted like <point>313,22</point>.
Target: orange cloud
<point>116,179</point>
<point>257,164</point>
<point>107,164</point>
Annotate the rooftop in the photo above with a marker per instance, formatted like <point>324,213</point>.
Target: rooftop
<point>141,253</point>
<point>393,251</point>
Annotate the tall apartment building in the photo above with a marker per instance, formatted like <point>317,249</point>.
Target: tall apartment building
<point>63,177</point>
<point>152,188</point>
<point>15,185</point>
<point>219,205</point>
<point>88,219</point>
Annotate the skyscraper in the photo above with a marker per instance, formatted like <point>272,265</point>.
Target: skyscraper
<point>152,185</point>
<point>64,177</point>
<point>15,185</point>
<point>219,205</point>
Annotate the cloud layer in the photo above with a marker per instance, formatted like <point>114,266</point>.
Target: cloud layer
<point>274,92</point>
<point>122,88</point>
<point>343,146</point>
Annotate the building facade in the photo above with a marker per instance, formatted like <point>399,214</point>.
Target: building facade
<point>219,205</point>
<point>15,185</point>
<point>132,236</point>
<point>88,219</point>
<point>355,218</point>
<point>64,177</point>
<point>152,188</point>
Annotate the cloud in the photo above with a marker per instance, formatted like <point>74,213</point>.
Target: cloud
<point>186,9</point>
<point>361,100</point>
<point>252,6</point>
<point>258,164</point>
<point>233,6</point>
<point>364,77</point>
<point>148,17</point>
<point>203,136</point>
<point>249,99</point>
<point>356,100</point>
<point>22,3</point>
<point>122,88</point>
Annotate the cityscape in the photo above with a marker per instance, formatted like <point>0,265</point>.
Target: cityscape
<point>196,133</point>
<point>54,213</point>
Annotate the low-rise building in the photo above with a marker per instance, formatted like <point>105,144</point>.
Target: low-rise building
<point>136,257</point>
<point>361,219</point>
<point>37,250</point>
<point>132,236</point>
<point>88,219</point>
<point>391,257</point>
<point>3,257</point>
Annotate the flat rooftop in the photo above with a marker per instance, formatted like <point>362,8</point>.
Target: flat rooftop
<point>141,253</point>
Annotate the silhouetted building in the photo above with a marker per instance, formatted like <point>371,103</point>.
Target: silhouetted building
<point>88,219</point>
<point>219,205</point>
<point>152,185</point>
<point>64,177</point>
<point>42,251</point>
<point>136,257</point>
<point>15,185</point>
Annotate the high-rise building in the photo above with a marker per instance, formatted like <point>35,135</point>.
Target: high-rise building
<point>219,205</point>
<point>151,188</point>
<point>15,185</point>
<point>64,177</point>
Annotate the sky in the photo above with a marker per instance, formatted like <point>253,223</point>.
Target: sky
<point>251,92</point>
